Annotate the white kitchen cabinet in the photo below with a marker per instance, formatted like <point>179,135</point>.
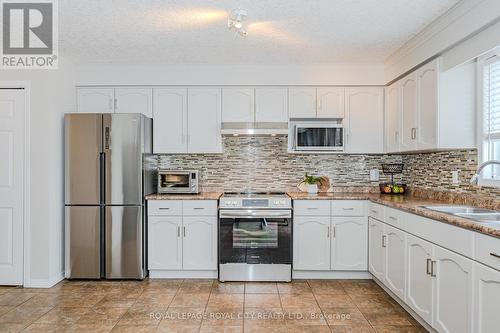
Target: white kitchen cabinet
<point>453,292</point>
<point>376,241</point>
<point>164,242</point>
<point>204,120</point>
<point>271,105</point>
<point>420,286</point>
<point>365,120</point>
<point>408,112</point>
<point>330,102</point>
<point>302,102</point>
<point>238,105</point>
<point>134,100</point>
<point>311,243</point>
<point>170,121</point>
<point>392,123</point>
<point>349,250</point>
<point>427,104</point>
<point>199,242</point>
<point>486,298</point>
<point>95,100</point>
<point>395,259</point>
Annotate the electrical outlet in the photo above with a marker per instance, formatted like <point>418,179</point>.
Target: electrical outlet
<point>374,175</point>
<point>454,177</point>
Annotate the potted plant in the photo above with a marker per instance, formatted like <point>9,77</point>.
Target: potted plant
<point>312,183</point>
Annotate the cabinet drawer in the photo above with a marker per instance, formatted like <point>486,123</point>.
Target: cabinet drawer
<point>376,211</point>
<point>199,207</point>
<point>487,250</point>
<point>312,207</point>
<point>348,208</point>
<point>164,207</point>
<point>395,218</point>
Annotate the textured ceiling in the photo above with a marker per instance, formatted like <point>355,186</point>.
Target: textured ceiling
<point>154,32</point>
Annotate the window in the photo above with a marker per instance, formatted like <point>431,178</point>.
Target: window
<point>490,134</point>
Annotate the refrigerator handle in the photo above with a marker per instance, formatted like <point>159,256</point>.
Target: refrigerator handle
<point>102,176</point>
<point>106,137</point>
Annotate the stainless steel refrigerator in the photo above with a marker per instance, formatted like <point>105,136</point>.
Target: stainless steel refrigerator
<point>105,184</point>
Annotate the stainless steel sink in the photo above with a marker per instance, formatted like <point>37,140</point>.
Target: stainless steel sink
<point>460,210</point>
<point>487,217</point>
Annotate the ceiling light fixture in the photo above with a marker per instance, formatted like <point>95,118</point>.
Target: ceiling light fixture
<point>235,21</point>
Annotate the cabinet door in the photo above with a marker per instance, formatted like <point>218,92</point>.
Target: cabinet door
<point>487,296</point>
<point>395,273</point>
<point>134,100</point>
<point>408,113</point>
<point>170,120</point>
<point>302,102</point>
<point>271,105</point>
<point>365,120</point>
<point>453,292</point>
<point>349,244</point>
<point>200,243</point>
<point>392,124</point>
<point>376,263</point>
<point>164,242</point>
<point>238,105</point>
<point>427,106</point>
<point>204,120</point>
<point>330,102</point>
<point>311,243</point>
<point>95,100</point>
<point>419,286</point>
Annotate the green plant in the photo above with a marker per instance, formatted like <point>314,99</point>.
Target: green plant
<point>311,180</point>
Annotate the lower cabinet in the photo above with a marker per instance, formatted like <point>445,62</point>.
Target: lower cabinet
<point>486,298</point>
<point>395,270</point>
<point>349,246</point>
<point>199,246</point>
<point>311,243</point>
<point>376,249</point>
<point>164,242</point>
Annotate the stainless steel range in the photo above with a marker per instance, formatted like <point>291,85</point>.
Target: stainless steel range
<point>255,237</point>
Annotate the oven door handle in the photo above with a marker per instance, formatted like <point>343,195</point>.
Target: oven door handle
<point>253,214</point>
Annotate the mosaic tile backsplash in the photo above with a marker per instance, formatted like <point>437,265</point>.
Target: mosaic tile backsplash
<point>263,164</point>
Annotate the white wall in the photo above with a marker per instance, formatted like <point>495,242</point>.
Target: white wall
<point>52,94</point>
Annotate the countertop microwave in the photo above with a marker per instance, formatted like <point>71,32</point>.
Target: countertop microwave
<point>178,181</point>
<point>319,136</point>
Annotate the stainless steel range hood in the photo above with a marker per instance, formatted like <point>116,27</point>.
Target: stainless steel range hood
<point>254,129</point>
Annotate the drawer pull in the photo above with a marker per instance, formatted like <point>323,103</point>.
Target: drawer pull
<point>393,218</point>
<point>312,208</point>
<point>163,208</point>
<point>496,255</point>
<point>429,263</point>
<point>198,208</point>
<point>374,211</point>
<point>351,208</point>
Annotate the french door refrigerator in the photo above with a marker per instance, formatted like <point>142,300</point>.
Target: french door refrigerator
<point>105,184</point>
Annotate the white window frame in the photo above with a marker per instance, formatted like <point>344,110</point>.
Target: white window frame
<point>481,63</point>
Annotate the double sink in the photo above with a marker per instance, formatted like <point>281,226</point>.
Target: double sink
<point>479,215</point>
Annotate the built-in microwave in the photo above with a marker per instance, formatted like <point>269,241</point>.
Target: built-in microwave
<point>319,136</point>
<point>178,181</point>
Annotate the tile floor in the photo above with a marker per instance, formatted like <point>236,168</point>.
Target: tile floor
<point>338,306</point>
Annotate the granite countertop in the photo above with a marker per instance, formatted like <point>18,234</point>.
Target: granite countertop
<point>409,204</point>
<point>198,196</point>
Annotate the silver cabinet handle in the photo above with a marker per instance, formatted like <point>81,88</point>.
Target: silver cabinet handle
<point>164,208</point>
<point>351,208</point>
<point>334,232</point>
<point>198,208</point>
<point>414,133</point>
<point>496,255</point>
<point>384,238</point>
<point>428,264</point>
<point>374,211</point>
<point>328,232</point>
<point>312,208</point>
<point>116,103</point>
<point>433,273</point>
<point>178,231</point>
<point>393,218</point>
<point>184,231</point>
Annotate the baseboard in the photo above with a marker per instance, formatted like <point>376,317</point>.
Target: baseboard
<point>405,306</point>
<point>162,274</point>
<point>331,275</point>
<point>45,283</point>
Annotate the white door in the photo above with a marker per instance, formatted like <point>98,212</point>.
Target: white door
<point>395,259</point>
<point>200,243</point>
<point>237,105</point>
<point>164,242</point>
<point>302,102</point>
<point>376,262</point>
<point>419,286</point>
<point>204,120</point>
<point>427,105</point>
<point>271,105</point>
<point>12,118</point>
<point>330,102</point>
<point>134,100</point>
<point>349,244</point>
<point>392,109</point>
<point>487,296</point>
<point>365,120</point>
<point>170,120</point>
<point>408,113</point>
<point>453,292</point>
<point>95,100</point>
<point>311,243</point>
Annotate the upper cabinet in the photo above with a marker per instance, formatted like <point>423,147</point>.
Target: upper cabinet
<point>238,105</point>
<point>365,116</point>
<point>302,102</point>
<point>324,102</point>
<point>392,118</point>
<point>271,105</point>
<point>408,112</point>
<point>330,102</point>
<point>119,100</point>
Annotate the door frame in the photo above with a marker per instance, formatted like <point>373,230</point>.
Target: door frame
<point>26,239</point>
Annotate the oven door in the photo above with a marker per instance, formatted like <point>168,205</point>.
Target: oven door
<point>255,236</point>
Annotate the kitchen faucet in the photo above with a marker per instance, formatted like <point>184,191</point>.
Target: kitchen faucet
<point>474,179</point>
